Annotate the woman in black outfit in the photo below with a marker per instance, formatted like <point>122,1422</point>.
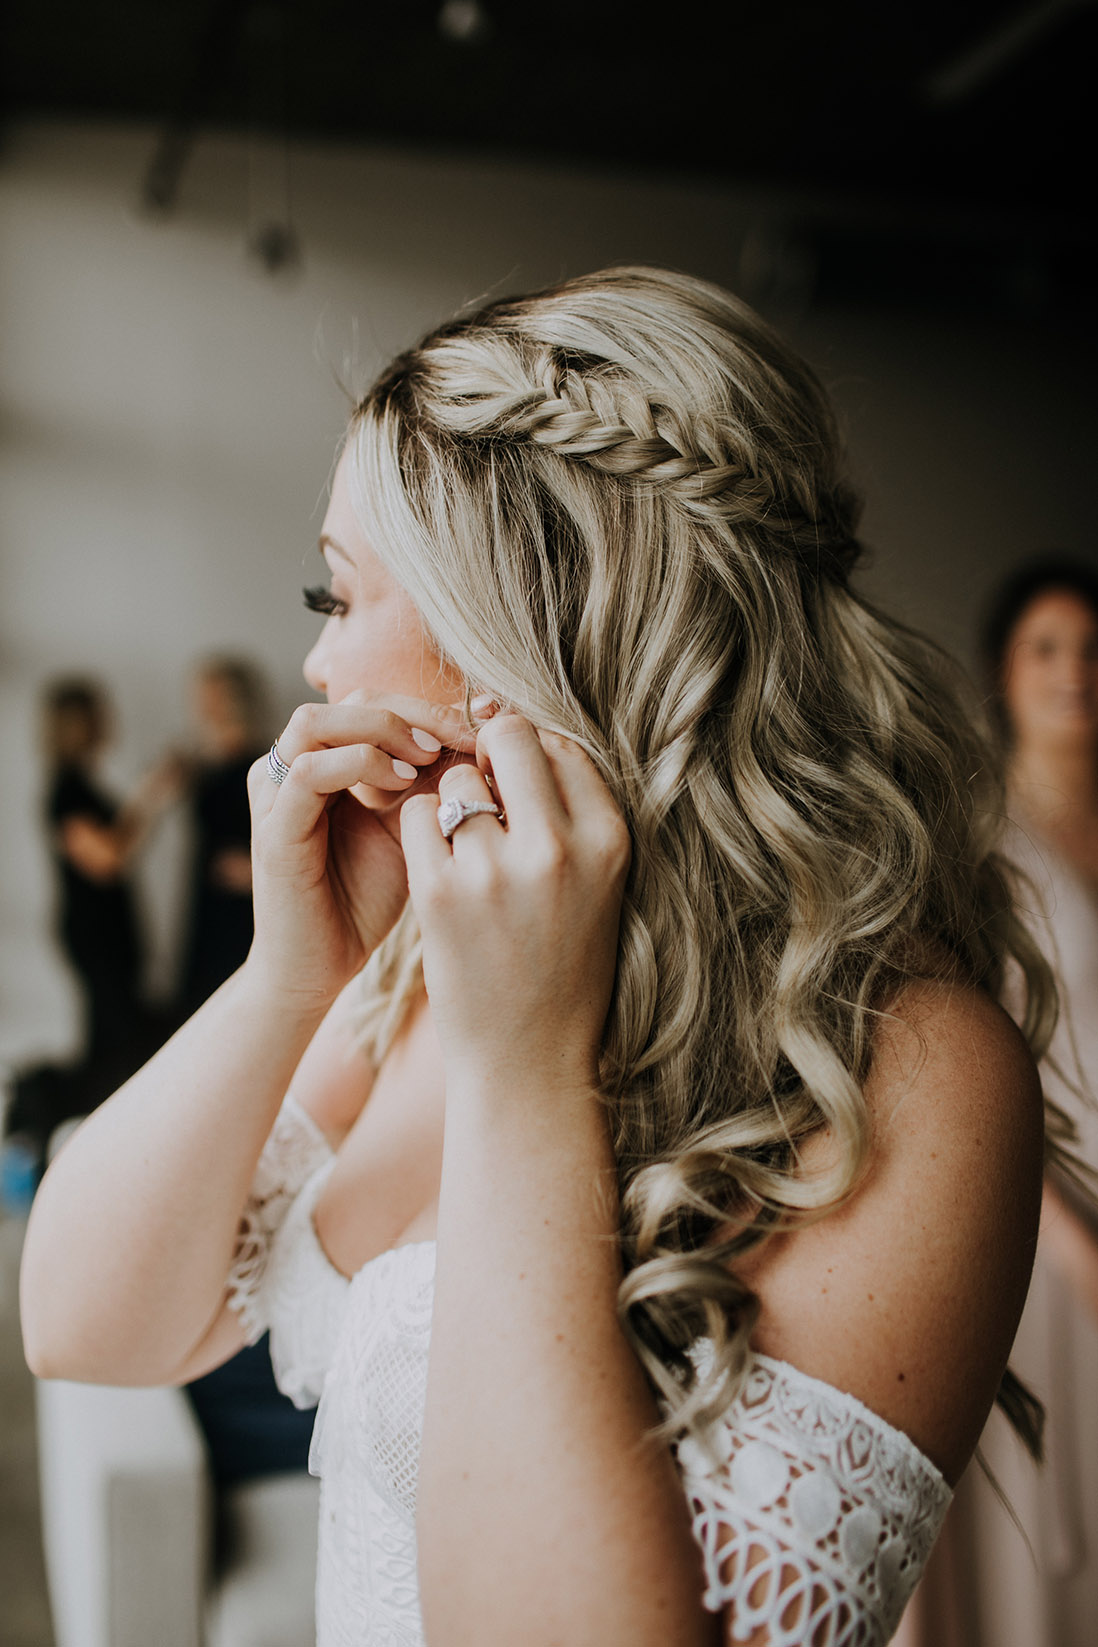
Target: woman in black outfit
<point>93,839</point>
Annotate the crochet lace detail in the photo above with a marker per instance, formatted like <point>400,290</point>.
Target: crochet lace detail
<point>814,1516</point>
<point>304,1298</point>
<point>294,1150</point>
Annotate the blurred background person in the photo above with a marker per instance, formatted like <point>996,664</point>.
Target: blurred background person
<point>229,698</point>
<point>94,839</point>
<point>983,1587</point>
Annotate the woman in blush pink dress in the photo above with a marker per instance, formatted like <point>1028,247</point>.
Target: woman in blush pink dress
<point>1027,1576</point>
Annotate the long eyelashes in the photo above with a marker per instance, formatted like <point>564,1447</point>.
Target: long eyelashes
<point>319,599</point>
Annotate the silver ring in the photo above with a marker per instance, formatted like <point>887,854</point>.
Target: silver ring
<point>277,770</point>
<point>452,814</point>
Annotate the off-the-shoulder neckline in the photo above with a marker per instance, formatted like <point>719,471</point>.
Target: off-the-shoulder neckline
<point>772,1363</point>
<point>868,1414</point>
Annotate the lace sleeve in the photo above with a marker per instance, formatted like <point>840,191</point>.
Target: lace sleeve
<point>294,1150</point>
<point>815,1517</point>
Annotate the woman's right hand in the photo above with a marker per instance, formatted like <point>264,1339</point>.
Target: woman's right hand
<point>328,871</point>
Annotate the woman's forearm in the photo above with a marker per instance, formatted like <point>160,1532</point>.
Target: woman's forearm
<point>546,1513</point>
<point>133,1227</point>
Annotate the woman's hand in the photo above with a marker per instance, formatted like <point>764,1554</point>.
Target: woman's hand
<point>329,878</point>
<point>520,927</point>
<point>520,921</point>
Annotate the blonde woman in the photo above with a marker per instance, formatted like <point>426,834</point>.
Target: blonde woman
<point>670,1030</point>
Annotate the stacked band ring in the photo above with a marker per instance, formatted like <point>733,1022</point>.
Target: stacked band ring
<point>277,770</point>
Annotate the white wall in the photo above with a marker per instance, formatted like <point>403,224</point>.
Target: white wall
<point>168,416</point>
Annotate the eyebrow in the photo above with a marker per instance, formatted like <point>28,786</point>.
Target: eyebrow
<point>326,542</point>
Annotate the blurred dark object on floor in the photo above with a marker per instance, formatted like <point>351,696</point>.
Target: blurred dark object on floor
<point>44,1096</point>
<point>250,1428</point>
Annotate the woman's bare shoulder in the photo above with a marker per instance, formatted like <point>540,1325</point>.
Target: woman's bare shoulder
<point>909,1295</point>
<point>951,1071</point>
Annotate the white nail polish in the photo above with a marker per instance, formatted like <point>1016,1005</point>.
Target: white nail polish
<point>426,741</point>
<point>405,769</point>
<point>483,706</point>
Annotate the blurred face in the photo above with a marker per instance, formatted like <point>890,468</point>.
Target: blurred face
<point>1050,672</point>
<point>214,700</point>
<point>373,641</point>
<point>81,730</point>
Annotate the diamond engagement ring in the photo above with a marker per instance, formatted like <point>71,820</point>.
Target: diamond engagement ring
<point>277,770</point>
<point>452,814</point>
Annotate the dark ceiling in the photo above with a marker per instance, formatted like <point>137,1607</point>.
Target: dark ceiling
<point>966,112</point>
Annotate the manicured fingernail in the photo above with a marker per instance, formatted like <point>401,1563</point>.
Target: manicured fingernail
<point>483,706</point>
<point>425,741</point>
<point>405,769</point>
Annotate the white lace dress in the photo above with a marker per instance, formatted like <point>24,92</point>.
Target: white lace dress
<point>814,1516</point>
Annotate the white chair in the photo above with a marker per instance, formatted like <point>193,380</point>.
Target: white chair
<point>141,1552</point>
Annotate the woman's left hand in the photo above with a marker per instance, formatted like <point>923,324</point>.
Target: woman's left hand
<point>520,920</point>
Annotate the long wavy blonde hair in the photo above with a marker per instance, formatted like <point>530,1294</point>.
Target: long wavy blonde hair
<point>621,509</point>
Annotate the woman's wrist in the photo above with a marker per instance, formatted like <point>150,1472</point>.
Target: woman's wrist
<point>549,1114</point>
<point>517,1084</point>
<point>298,1006</point>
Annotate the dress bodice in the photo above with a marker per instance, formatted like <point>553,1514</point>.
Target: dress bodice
<point>813,1515</point>
<point>366,1452</point>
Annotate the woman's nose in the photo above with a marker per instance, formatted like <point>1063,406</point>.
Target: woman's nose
<point>313,668</point>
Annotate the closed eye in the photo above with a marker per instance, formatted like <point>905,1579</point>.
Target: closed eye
<point>319,599</point>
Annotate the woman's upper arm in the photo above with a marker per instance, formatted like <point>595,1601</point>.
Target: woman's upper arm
<point>225,1337</point>
<point>882,1336</point>
<point>908,1297</point>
